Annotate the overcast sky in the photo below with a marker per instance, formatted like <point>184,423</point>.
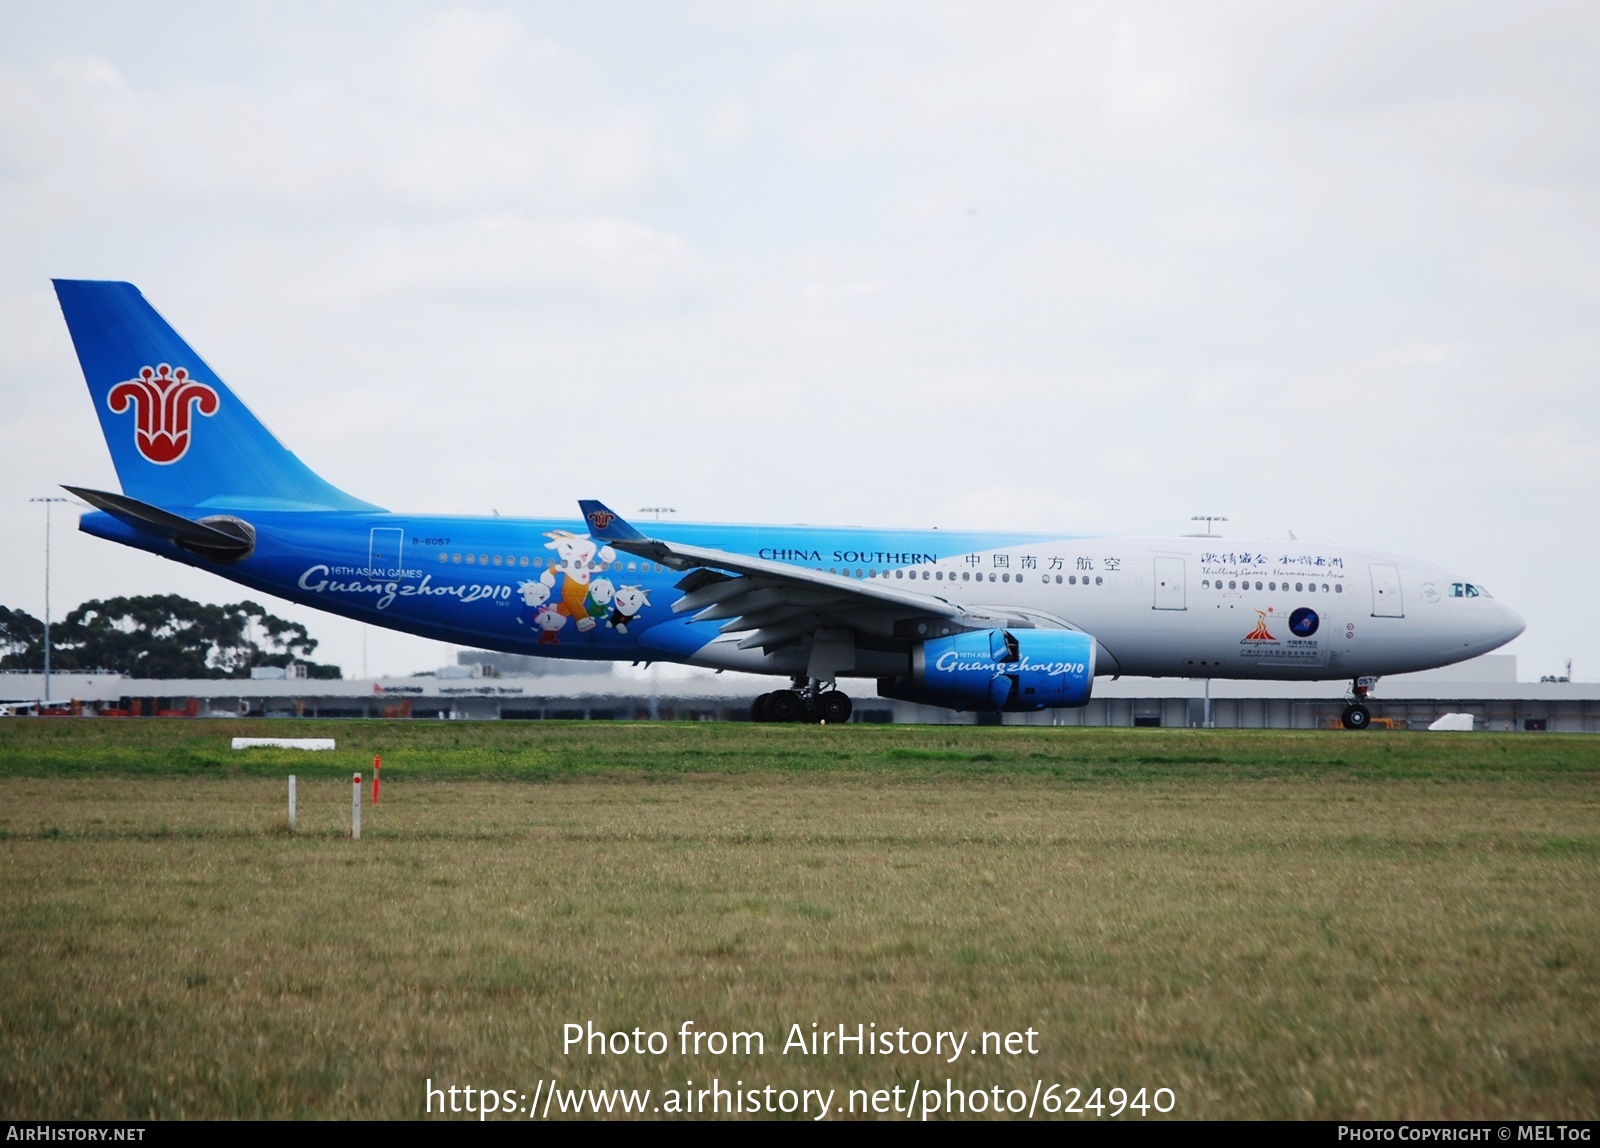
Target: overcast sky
<point>1098,267</point>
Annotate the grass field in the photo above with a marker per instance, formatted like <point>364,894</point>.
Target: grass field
<point>1269,924</point>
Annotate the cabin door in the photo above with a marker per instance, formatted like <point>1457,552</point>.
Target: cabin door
<point>1169,584</point>
<point>383,552</point>
<point>1386,601</point>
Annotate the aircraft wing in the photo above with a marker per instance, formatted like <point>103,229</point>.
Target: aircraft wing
<point>778,602</point>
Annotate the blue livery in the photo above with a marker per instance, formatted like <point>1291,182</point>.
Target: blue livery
<point>964,619</point>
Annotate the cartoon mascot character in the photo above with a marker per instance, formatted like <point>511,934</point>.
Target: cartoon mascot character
<point>577,556</point>
<point>534,594</point>
<point>598,604</point>
<point>625,607</point>
<point>549,619</point>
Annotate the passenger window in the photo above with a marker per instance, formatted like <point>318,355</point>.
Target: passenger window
<point>469,560</point>
<point>1338,587</point>
<point>991,577</point>
<point>1072,578</point>
<point>899,573</point>
<point>1233,585</point>
<point>1298,587</point>
<point>965,575</point>
<point>1098,580</point>
<point>443,557</point>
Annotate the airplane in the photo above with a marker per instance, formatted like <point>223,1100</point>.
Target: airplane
<point>964,619</point>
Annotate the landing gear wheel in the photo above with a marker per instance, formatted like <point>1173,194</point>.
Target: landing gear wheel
<point>1356,717</point>
<point>759,709</point>
<point>784,705</point>
<point>834,707</point>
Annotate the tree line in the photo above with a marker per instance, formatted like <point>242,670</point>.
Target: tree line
<point>159,636</point>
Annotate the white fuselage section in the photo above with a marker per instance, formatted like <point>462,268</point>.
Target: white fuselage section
<point>1210,607</point>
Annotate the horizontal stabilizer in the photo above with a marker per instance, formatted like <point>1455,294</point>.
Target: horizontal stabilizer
<point>220,539</point>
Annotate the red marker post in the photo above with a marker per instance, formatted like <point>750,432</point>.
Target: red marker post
<point>377,764</point>
<point>355,809</point>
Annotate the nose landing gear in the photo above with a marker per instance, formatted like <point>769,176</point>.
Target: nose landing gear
<point>1356,715</point>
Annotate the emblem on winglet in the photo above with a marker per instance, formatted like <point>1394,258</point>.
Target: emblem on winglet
<point>605,523</point>
<point>165,400</point>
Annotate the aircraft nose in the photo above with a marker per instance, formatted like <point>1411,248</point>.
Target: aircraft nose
<point>1510,624</point>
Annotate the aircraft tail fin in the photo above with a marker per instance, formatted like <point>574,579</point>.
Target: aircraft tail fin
<point>178,436</point>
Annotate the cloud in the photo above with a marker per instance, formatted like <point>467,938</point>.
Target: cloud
<point>505,256</point>
<point>730,122</point>
<point>462,113</point>
<point>1092,266</point>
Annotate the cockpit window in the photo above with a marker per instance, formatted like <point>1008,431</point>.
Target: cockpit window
<point>1468,590</point>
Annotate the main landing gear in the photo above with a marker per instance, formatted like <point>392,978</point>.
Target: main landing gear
<point>1356,715</point>
<point>812,701</point>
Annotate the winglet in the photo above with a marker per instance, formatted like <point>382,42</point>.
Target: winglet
<point>605,524</point>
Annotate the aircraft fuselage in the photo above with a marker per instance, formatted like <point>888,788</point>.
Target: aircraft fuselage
<point>1186,607</point>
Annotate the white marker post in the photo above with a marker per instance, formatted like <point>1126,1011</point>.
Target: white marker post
<point>355,809</point>
<point>291,803</point>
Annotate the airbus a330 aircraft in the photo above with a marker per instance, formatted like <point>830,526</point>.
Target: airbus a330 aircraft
<point>964,619</point>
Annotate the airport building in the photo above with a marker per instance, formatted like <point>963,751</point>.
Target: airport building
<point>490,687</point>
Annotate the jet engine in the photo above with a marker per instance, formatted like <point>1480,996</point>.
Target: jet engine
<point>999,670</point>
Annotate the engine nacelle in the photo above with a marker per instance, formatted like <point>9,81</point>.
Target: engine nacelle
<point>1000,670</point>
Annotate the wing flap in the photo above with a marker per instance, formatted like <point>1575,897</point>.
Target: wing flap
<point>779,635</point>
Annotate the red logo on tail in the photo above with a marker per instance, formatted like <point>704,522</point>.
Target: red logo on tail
<point>165,399</point>
<point>600,519</point>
